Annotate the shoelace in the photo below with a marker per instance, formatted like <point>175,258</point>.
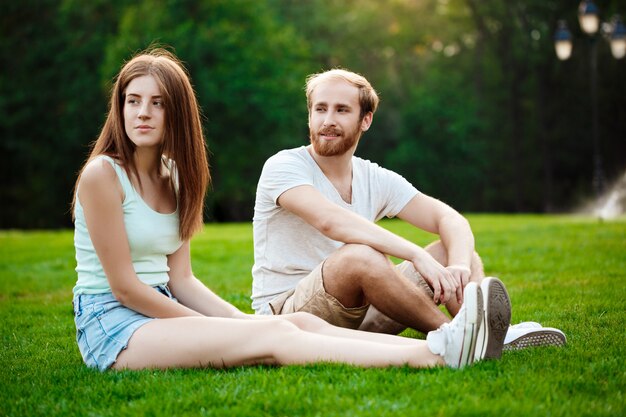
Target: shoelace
<point>447,330</point>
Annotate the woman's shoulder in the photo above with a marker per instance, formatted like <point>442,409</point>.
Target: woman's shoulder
<point>99,171</point>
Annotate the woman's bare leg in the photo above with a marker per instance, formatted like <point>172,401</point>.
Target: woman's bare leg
<point>311,323</point>
<point>193,342</point>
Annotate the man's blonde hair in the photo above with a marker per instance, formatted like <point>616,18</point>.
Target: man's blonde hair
<point>368,98</point>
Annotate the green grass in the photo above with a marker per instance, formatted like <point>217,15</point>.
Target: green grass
<point>566,272</point>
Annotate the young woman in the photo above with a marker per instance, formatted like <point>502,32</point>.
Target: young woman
<point>137,304</point>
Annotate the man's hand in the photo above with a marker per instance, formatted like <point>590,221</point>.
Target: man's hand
<point>440,279</point>
<point>461,275</point>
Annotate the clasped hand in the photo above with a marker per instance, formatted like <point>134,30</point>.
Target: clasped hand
<point>446,282</point>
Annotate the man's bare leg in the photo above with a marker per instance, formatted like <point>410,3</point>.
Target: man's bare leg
<point>377,322</point>
<point>357,274</point>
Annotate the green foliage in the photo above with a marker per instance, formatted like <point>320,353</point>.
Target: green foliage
<point>566,272</point>
<point>52,104</point>
<point>442,134</point>
<point>476,109</point>
<point>247,70</point>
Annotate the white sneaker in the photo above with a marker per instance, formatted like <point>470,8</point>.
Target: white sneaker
<point>456,341</point>
<point>496,319</point>
<point>530,333</point>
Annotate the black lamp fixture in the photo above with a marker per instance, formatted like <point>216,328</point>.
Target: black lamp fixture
<point>563,41</point>
<point>589,20</point>
<point>615,33</point>
<point>588,17</point>
<point>618,37</point>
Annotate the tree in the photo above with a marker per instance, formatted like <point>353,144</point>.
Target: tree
<point>248,71</point>
<point>51,104</point>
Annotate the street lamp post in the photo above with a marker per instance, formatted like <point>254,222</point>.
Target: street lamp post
<point>589,23</point>
<point>589,20</point>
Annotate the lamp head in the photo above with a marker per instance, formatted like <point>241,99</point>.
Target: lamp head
<point>618,37</point>
<point>563,41</point>
<point>588,17</point>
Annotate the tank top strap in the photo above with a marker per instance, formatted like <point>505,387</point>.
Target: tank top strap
<point>171,166</point>
<point>121,175</point>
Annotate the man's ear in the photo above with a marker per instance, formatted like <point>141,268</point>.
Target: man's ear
<point>367,121</point>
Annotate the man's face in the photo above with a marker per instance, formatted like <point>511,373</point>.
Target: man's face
<point>335,125</point>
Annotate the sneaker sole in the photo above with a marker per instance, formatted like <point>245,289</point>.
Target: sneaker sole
<point>541,337</point>
<point>498,317</point>
<point>473,301</point>
<point>481,339</point>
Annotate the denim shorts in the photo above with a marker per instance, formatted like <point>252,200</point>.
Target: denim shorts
<point>104,326</point>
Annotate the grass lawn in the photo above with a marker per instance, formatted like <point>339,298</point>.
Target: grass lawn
<point>566,272</point>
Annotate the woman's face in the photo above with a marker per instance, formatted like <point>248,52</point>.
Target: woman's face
<point>144,114</point>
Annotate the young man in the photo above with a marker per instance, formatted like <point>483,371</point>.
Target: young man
<point>319,250</point>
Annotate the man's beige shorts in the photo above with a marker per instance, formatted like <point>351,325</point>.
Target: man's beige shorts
<point>310,296</point>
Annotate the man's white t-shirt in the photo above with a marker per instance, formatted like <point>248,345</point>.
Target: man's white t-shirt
<point>286,248</point>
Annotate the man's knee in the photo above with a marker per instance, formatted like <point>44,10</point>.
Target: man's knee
<point>438,251</point>
<point>478,270</point>
<point>361,259</point>
<point>351,270</point>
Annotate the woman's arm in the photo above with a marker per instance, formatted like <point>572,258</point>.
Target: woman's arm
<point>193,293</point>
<point>101,196</point>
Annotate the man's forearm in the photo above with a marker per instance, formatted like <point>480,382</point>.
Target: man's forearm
<point>456,235</point>
<point>348,227</point>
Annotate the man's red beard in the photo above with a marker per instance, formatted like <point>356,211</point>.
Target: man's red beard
<point>341,145</point>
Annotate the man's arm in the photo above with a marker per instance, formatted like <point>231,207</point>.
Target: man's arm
<point>436,217</point>
<point>342,225</point>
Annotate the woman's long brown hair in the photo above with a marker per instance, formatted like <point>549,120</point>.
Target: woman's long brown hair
<point>183,140</point>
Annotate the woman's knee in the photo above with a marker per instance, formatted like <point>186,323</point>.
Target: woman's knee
<point>305,321</point>
<point>281,338</point>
